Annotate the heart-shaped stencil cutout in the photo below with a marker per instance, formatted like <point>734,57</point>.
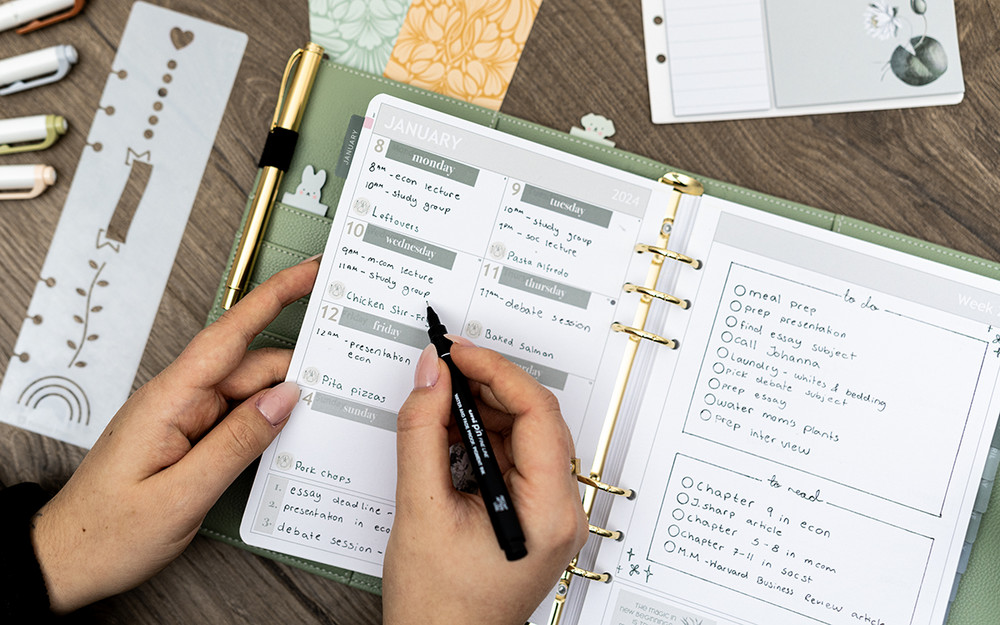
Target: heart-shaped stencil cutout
<point>181,38</point>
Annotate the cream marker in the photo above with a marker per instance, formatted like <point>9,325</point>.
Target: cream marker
<point>23,182</point>
<point>39,13</point>
<point>24,134</point>
<point>35,69</point>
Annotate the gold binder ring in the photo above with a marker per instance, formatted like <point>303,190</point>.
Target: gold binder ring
<point>665,253</point>
<point>684,184</point>
<point>666,297</point>
<point>596,577</point>
<point>627,493</point>
<point>642,334</point>
<point>603,533</point>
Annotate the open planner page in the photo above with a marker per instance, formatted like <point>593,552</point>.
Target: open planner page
<point>765,58</point>
<point>816,449</point>
<point>520,248</point>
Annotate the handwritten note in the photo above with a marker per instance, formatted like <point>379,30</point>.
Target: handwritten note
<point>775,540</point>
<point>807,375</point>
<point>813,451</point>
<point>520,248</point>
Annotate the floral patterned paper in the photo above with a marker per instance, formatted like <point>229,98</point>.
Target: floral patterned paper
<point>467,49</point>
<point>357,33</point>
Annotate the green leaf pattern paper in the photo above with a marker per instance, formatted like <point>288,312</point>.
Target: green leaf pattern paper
<point>358,33</point>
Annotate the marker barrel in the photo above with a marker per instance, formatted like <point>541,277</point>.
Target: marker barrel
<point>24,129</point>
<point>485,468</point>
<point>19,12</point>
<point>34,64</point>
<point>15,177</point>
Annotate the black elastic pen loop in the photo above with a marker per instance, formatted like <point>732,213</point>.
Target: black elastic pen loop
<point>279,148</point>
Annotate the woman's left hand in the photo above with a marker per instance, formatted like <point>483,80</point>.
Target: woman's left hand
<point>140,495</point>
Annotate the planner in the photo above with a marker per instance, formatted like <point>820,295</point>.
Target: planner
<point>788,415</point>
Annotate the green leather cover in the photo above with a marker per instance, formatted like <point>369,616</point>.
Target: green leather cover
<point>293,235</point>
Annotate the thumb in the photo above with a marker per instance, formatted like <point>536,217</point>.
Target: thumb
<point>236,441</point>
<point>422,434</point>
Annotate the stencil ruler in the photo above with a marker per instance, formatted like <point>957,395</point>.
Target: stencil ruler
<point>107,267</point>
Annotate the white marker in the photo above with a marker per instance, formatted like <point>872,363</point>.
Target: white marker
<point>22,182</point>
<point>43,66</point>
<point>24,134</point>
<point>19,12</point>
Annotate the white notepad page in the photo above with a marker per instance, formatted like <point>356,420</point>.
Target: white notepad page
<point>813,450</point>
<point>718,57</point>
<point>520,248</point>
<point>733,59</point>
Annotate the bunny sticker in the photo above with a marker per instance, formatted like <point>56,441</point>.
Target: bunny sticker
<point>307,194</point>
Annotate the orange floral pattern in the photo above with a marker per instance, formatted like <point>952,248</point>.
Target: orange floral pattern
<point>467,49</point>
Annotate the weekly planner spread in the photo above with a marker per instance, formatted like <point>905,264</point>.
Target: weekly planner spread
<point>519,248</point>
<point>810,451</point>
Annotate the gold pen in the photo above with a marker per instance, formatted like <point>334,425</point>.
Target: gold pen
<point>274,161</point>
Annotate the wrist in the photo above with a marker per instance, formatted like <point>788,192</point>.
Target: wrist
<point>51,554</point>
<point>41,543</point>
<point>23,588</point>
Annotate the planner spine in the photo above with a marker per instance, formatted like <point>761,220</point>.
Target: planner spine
<point>682,185</point>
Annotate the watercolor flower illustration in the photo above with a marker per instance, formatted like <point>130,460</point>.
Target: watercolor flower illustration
<point>881,21</point>
<point>918,60</point>
<point>357,33</point>
<point>464,48</point>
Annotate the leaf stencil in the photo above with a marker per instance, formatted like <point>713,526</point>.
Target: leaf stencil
<point>86,336</point>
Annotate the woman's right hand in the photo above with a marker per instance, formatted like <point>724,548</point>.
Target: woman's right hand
<point>443,563</point>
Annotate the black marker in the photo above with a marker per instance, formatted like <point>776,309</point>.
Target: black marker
<point>477,444</point>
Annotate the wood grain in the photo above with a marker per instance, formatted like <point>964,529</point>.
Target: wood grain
<point>933,173</point>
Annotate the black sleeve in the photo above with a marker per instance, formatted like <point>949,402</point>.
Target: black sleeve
<point>23,597</point>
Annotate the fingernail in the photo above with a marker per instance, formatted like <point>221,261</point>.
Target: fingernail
<point>312,258</point>
<point>427,372</point>
<point>461,340</point>
<point>277,403</point>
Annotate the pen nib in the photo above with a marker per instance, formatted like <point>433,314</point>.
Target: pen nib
<point>432,318</point>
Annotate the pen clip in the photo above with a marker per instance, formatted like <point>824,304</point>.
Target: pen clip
<point>35,191</point>
<point>55,126</point>
<point>292,60</point>
<point>42,23</point>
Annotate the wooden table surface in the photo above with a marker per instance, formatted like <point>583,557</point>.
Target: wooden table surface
<point>933,173</point>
